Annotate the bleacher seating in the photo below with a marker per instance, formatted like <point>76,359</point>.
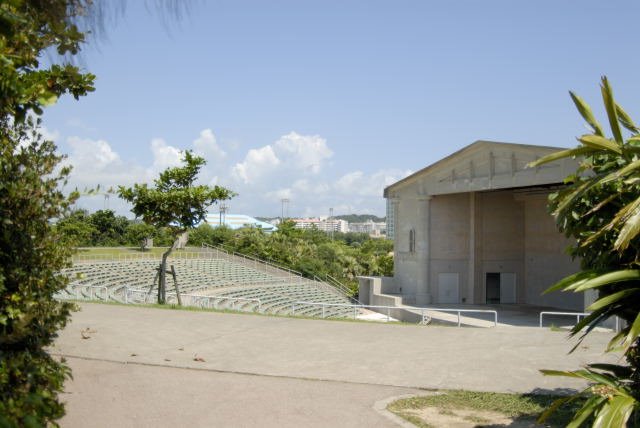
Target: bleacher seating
<point>204,280</point>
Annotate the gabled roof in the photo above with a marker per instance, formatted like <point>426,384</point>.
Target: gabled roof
<point>485,165</point>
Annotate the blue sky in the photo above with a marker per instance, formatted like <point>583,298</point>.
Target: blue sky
<point>326,102</point>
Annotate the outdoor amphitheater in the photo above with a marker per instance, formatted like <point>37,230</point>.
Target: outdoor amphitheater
<point>137,365</point>
<point>209,278</point>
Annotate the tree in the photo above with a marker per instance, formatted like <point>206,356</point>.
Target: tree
<point>175,203</point>
<point>77,229</point>
<point>138,234</point>
<point>110,229</point>
<point>30,250</point>
<point>600,210</point>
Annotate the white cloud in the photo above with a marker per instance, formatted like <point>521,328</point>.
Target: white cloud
<point>164,156</point>
<point>206,145</point>
<point>49,135</point>
<point>361,184</point>
<point>256,164</point>
<point>291,157</point>
<point>306,152</point>
<point>91,155</point>
<point>279,194</point>
<point>293,167</point>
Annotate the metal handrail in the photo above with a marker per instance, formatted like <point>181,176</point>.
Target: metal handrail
<point>576,314</point>
<point>331,281</point>
<point>76,293</point>
<point>423,311</point>
<point>266,262</point>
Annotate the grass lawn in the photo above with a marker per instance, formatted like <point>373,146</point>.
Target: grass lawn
<point>102,252</point>
<point>443,408</point>
<point>114,251</point>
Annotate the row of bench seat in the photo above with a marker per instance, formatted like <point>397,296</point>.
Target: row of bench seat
<point>227,284</point>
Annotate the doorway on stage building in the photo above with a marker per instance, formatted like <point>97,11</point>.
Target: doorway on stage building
<point>500,287</point>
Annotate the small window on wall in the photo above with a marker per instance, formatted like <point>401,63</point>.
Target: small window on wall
<point>412,241</point>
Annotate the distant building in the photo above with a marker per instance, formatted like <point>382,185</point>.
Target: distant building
<point>371,228</point>
<point>391,225</point>
<point>237,221</point>
<point>322,223</point>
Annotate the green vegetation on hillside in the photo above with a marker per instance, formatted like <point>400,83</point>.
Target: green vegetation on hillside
<point>360,218</point>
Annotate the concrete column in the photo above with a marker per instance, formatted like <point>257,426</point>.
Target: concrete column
<point>423,236</point>
<point>472,249</point>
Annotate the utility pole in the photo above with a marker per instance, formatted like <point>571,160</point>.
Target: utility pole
<point>223,213</point>
<point>285,208</point>
<point>331,225</point>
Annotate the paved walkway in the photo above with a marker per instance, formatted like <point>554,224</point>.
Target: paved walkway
<point>154,367</point>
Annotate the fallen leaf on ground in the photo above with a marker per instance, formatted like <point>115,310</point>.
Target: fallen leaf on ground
<point>86,333</point>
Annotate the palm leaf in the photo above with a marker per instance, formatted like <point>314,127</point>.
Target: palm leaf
<point>586,113</point>
<point>589,407</point>
<point>623,172</point>
<point>555,406</point>
<point>615,412</point>
<point>631,225</point>
<point>610,278</point>
<point>590,322</point>
<point>633,140</point>
<point>612,298</point>
<point>601,143</point>
<point>614,344</point>
<point>625,120</point>
<point>585,374</point>
<point>632,335</point>
<point>568,153</point>
<point>610,107</point>
<point>616,369</point>
<point>577,191</point>
<point>576,278</point>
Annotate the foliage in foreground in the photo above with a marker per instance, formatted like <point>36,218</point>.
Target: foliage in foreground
<point>600,210</point>
<point>30,177</point>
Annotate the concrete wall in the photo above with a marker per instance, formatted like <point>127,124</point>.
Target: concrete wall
<point>500,240</point>
<point>450,242</point>
<point>406,262</point>
<point>545,258</point>
<point>372,287</point>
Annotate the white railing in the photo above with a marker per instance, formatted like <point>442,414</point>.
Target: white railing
<point>211,302</point>
<point>574,314</point>
<point>566,314</point>
<point>94,292</point>
<point>424,312</point>
<point>253,261</point>
<point>330,283</point>
<point>463,311</point>
<point>138,296</point>
<point>150,256</point>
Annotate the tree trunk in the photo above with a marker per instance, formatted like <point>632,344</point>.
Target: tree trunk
<point>162,283</point>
